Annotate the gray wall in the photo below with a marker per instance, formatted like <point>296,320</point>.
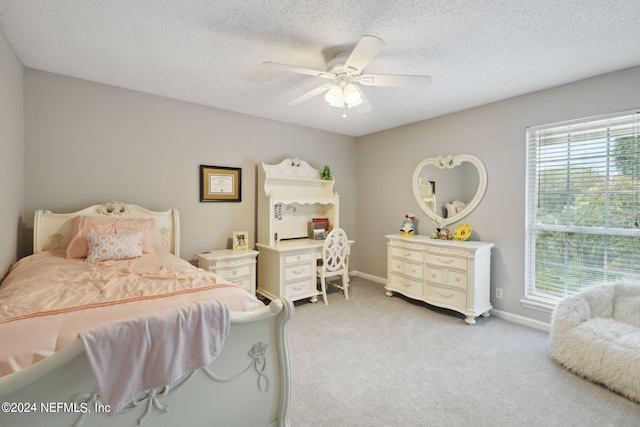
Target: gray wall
<point>11,154</point>
<point>496,134</point>
<point>89,143</point>
<point>66,143</point>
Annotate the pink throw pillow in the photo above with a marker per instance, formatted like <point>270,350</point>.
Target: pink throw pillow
<point>83,225</point>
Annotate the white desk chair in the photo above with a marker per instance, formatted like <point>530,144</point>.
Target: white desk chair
<point>335,255</point>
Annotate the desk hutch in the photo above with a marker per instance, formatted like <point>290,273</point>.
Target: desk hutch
<point>290,195</point>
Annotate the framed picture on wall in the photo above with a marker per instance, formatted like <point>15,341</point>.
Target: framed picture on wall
<point>240,240</point>
<point>220,184</point>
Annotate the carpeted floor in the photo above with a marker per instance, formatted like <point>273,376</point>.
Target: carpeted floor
<point>380,361</point>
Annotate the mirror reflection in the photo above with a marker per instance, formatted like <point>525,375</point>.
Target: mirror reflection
<point>448,191</point>
<point>449,188</point>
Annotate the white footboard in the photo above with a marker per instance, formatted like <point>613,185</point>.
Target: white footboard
<point>248,384</point>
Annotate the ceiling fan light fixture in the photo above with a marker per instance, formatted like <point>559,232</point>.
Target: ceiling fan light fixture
<point>335,96</point>
<point>352,95</point>
<point>345,75</point>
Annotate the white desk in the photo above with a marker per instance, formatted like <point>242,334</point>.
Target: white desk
<point>288,269</point>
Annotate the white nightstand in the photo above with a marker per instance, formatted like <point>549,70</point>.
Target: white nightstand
<point>237,266</point>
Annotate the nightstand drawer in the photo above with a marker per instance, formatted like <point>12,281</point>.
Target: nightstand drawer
<point>234,272</point>
<point>245,283</point>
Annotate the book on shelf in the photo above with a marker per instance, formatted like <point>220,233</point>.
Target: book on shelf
<point>318,228</point>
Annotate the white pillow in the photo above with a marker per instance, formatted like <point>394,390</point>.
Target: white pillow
<point>113,247</point>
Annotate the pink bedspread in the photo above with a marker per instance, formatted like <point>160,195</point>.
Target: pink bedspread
<point>47,299</point>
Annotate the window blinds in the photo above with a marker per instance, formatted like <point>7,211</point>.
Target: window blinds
<point>583,204</point>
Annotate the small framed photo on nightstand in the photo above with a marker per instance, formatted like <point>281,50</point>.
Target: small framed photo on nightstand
<point>240,240</point>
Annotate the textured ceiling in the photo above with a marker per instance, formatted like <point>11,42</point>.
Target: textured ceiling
<point>211,52</point>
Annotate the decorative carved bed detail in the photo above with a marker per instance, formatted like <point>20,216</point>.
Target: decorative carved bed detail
<point>114,208</point>
<point>57,240</point>
<point>164,235</point>
<point>259,363</point>
<point>153,398</point>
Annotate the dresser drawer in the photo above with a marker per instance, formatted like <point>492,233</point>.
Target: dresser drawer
<point>446,261</point>
<point>405,285</point>
<point>434,275</point>
<point>406,254</point>
<point>443,276</point>
<point>298,287</point>
<point>440,296</point>
<point>457,279</point>
<point>292,259</point>
<point>409,268</point>
<point>296,272</point>
<point>231,273</point>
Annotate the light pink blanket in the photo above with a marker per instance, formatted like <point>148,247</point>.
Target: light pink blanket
<point>46,299</point>
<point>142,353</point>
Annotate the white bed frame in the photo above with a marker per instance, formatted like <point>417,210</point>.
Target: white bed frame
<point>55,230</point>
<point>248,384</point>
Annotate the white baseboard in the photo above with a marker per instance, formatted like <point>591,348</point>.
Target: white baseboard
<point>510,317</point>
<point>521,320</point>
<point>368,277</point>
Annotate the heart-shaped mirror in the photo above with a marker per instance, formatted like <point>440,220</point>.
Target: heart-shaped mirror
<point>449,188</point>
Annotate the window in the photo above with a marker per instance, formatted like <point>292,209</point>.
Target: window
<point>583,205</point>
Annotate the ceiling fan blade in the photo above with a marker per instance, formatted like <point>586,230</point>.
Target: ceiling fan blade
<point>299,70</point>
<point>367,48</point>
<point>414,82</point>
<point>315,92</point>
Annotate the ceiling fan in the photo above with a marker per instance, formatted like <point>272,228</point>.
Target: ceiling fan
<point>345,73</point>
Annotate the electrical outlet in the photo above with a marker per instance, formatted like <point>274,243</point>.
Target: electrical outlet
<point>499,293</point>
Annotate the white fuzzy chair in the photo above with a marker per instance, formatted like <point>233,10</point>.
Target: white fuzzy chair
<point>596,334</point>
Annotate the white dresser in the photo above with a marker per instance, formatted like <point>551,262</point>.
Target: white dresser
<point>237,266</point>
<point>446,273</point>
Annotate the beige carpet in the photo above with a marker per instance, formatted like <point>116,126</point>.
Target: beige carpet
<point>379,361</point>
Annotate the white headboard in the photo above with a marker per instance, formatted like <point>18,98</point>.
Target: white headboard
<point>54,230</point>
